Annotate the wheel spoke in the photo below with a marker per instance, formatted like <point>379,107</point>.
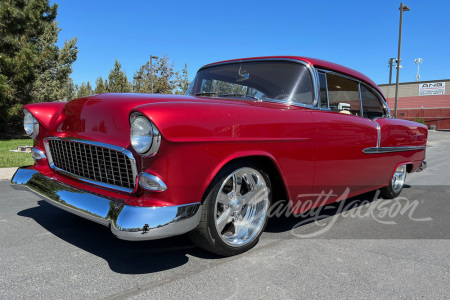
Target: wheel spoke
<point>237,184</point>
<point>223,198</point>
<point>255,196</point>
<point>223,220</point>
<point>241,228</point>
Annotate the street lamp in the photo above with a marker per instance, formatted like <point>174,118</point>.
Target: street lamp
<point>151,69</point>
<point>402,9</point>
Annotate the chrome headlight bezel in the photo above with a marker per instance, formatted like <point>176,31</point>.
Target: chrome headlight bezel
<point>30,124</point>
<point>150,147</point>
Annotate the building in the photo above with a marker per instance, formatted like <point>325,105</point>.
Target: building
<point>427,101</point>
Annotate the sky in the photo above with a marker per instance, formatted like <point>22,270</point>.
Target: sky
<point>362,35</point>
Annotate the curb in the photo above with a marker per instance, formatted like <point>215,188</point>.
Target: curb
<point>7,173</point>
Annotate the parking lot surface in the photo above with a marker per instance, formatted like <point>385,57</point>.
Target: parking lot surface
<point>366,248</point>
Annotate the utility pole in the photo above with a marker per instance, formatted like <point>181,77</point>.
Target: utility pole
<point>390,62</point>
<point>418,61</point>
<point>402,9</point>
<point>151,69</point>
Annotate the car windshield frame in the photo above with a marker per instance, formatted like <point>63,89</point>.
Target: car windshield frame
<point>195,88</point>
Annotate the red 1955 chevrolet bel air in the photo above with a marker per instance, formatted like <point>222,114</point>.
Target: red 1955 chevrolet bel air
<point>247,133</point>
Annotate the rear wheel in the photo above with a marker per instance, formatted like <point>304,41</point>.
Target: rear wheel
<point>234,213</point>
<point>395,185</point>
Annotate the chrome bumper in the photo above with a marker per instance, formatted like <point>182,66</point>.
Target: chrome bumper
<point>423,166</point>
<point>127,222</point>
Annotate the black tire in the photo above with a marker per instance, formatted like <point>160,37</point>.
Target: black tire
<point>206,234</point>
<point>393,190</point>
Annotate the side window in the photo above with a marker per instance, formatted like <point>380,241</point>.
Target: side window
<point>343,95</point>
<point>323,90</point>
<point>372,107</point>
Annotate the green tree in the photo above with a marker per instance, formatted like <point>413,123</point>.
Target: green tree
<point>100,86</point>
<point>106,84</point>
<point>166,80</point>
<point>142,79</point>
<point>183,81</point>
<point>32,67</point>
<point>118,81</point>
<point>85,89</point>
<point>70,90</point>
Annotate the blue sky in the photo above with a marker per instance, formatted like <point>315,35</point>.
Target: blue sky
<point>361,35</point>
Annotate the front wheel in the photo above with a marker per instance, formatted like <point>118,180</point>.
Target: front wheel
<point>395,185</point>
<point>234,213</point>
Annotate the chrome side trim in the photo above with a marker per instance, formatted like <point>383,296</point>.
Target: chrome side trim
<point>378,133</point>
<point>93,182</point>
<point>378,150</point>
<point>37,154</point>
<point>126,222</point>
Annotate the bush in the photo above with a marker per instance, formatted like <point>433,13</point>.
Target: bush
<point>420,120</point>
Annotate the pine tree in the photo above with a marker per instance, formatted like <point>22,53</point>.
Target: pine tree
<point>100,86</point>
<point>84,90</point>
<point>118,82</point>
<point>32,67</point>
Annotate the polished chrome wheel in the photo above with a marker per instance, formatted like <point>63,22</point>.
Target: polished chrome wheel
<point>398,179</point>
<point>395,186</point>
<point>241,207</point>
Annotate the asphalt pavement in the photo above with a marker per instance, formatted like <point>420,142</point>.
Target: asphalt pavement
<point>366,248</point>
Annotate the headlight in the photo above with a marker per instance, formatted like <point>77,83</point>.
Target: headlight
<point>30,124</point>
<point>144,136</point>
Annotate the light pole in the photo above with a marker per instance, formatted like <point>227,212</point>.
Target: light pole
<point>390,62</point>
<point>151,69</point>
<point>402,9</point>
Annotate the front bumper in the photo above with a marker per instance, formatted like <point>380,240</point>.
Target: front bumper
<point>126,222</point>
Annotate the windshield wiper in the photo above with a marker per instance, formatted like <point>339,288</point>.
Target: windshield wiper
<point>205,93</point>
<point>239,95</point>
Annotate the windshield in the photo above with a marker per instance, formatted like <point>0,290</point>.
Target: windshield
<point>276,80</point>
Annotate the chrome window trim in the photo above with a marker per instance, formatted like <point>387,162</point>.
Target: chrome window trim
<point>384,102</point>
<point>361,112</point>
<point>319,103</point>
<point>90,181</point>
<point>387,112</point>
<point>310,67</point>
<point>346,77</point>
<point>379,150</point>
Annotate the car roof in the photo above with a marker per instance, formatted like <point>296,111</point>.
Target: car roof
<point>318,63</point>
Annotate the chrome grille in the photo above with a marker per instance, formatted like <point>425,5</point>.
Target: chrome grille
<point>93,163</point>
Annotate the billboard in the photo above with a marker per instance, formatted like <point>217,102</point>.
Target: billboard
<point>429,89</point>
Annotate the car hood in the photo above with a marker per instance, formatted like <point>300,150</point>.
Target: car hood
<point>104,117</point>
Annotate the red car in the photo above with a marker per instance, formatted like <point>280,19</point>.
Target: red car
<point>248,133</point>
